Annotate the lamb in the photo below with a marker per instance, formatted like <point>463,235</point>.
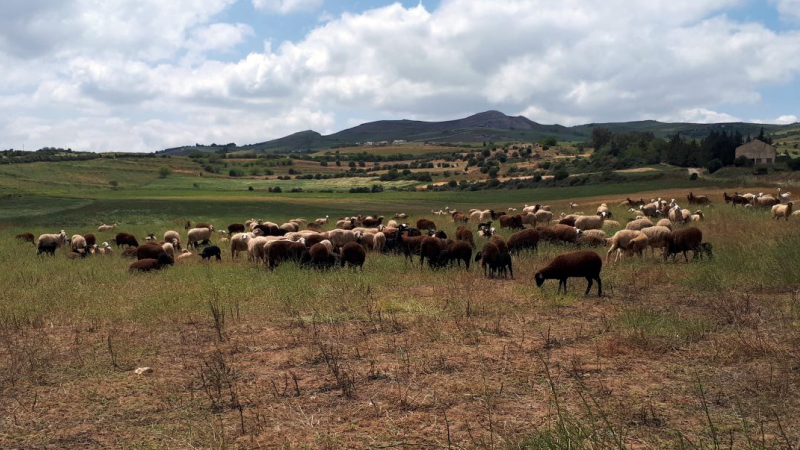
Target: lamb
<point>523,240</point>
<point>603,208</point>
<point>354,255</point>
<point>105,249</point>
<point>658,237</point>
<point>684,240</point>
<point>148,265</point>
<point>77,254</point>
<point>185,254</point>
<point>795,213</point>
<point>199,235</point>
<point>125,239</point>
<point>456,251</point>
<point>590,240</point>
<point>734,200</point>
<point>425,224</point>
<point>512,222</point>
<point>494,260</point>
<point>784,211</point>
<point>464,234</point>
<point>591,222</point>
<point>55,241</point>
<point>581,264</point>
<point>211,252</point>
<point>638,225</point>
<point>698,216</point>
<point>47,247</point>
<point>623,240</point>
<point>26,237</point>
<point>321,222</point>
<point>105,227</point>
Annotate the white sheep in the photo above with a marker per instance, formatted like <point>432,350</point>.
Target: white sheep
<point>664,223</point>
<point>625,240</point>
<point>174,238</point>
<point>638,225</point>
<point>599,234</point>
<point>544,216</point>
<point>105,227</point>
<point>169,249</point>
<point>104,249</point>
<point>198,235</point>
<point>784,211</point>
<point>698,216</point>
<point>255,248</point>
<point>675,214</point>
<point>77,242</point>
<point>529,219</point>
<point>374,241</point>
<point>239,243</point>
<point>322,222</point>
<point>392,224</point>
<point>339,238</point>
<point>49,239</point>
<point>185,254</point>
<point>573,205</point>
<point>658,237</point>
<point>590,222</point>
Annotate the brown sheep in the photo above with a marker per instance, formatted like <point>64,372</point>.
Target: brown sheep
<point>525,239</point>
<point>354,255</point>
<point>697,199</point>
<point>431,248</point>
<point>425,224</point>
<point>91,240</point>
<point>129,252</point>
<point>460,218</point>
<point>457,251</point>
<point>465,234</point>
<point>320,257</point>
<point>314,239</point>
<point>493,259</point>
<point>512,222</point>
<point>236,228</point>
<point>148,265</point>
<point>205,225</point>
<point>26,237</point>
<point>280,251</point>
<point>500,243</point>
<point>148,251</point>
<point>684,240</point>
<point>559,233</point>
<point>125,239</point>
<point>372,223</point>
<point>581,264</point>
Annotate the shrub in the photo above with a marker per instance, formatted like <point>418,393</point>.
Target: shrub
<point>714,165</point>
<point>250,188</point>
<point>743,161</point>
<point>164,172</point>
<point>694,176</point>
<point>235,173</point>
<point>560,174</point>
<point>793,164</point>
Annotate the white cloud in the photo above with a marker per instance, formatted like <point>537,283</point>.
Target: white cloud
<point>787,119</point>
<point>144,74</point>
<point>287,6</point>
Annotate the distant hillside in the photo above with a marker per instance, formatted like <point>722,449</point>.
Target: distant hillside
<point>487,126</point>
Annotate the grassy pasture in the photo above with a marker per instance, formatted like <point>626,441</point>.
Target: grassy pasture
<point>699,355</point>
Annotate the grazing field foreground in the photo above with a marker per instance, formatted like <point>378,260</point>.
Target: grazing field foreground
<point>704,354</point>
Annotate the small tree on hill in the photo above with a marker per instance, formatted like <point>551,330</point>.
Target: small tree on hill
<point>164,172</point>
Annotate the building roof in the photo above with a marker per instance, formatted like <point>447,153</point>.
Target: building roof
<point>756,147</point>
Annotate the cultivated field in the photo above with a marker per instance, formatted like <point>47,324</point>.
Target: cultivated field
<point>695,355</point>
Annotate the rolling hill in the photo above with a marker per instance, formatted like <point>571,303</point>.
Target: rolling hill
<point>487,126</point>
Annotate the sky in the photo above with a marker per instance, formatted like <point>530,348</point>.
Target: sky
<point>144,75</point>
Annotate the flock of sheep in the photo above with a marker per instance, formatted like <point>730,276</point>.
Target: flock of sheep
<point>658,224</point>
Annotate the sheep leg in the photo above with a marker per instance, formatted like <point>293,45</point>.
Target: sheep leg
<point>589,287</point>
<point>599,287</point>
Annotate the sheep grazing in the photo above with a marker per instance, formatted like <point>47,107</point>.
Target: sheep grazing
<point>456,251</point>
<point>401,216</point>
<point>319,256</point>
<point>485,229</point>
<point>211,252</point>
<point>174,238</point>
<point>629,241</point>
<point>559,233</point>
<point>197,236</point>
<point>78,242</point>
<point>569,220</point>
<point>736,199</point>
<point>698,216</point>
<point>500,243</point>
<point>591,222</point>
<point>374,241</point>
<point>611,224</point>
<point>105,227</point>
<point>150,250</point>
<point>512,222</point>
<point>26,237</point>
<point>425,224</point>
<point>523,240</point>
<point>236,228</point>
<point>460,218</point>
<point>495,261</point>
<point>464,234</point>
<point>664,223</point>
<point>683,241</point>
<point>430,249</point>
<point>764,201</point>
<point>697,199</point>
<point>204,225</point>
<point>340,238</point>
<point>47,247</point>
<point>544,216</point>
<point>639,224</point>
<point>354,255</point>
<point>784,197</point>
<point>91,240</point>
<point>130,253</point>
<point>149,265</point>
<point>125,239</point>
<point>658,237</point>
<point>369,222</point>
<point>321,222</point>
<point>581,264</point>
<point>676,214</point>
<point>784,211</point>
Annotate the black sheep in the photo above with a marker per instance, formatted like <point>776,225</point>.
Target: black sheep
<point>497,262</point>
<point>353,254</point>
<point>149,250</point>
<point>581,264</point>
<point>91,240</point>
<point>212,251</point>
<point>431,248</point>
<point>47,248</point>
<point>426,224</point>
<point>513,222</point>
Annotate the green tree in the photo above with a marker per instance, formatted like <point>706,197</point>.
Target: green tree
<point>561,174</point>
<point>113,183</point>
<point>549,141</point>
<point>164,172</point>
<point>714,165</point>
